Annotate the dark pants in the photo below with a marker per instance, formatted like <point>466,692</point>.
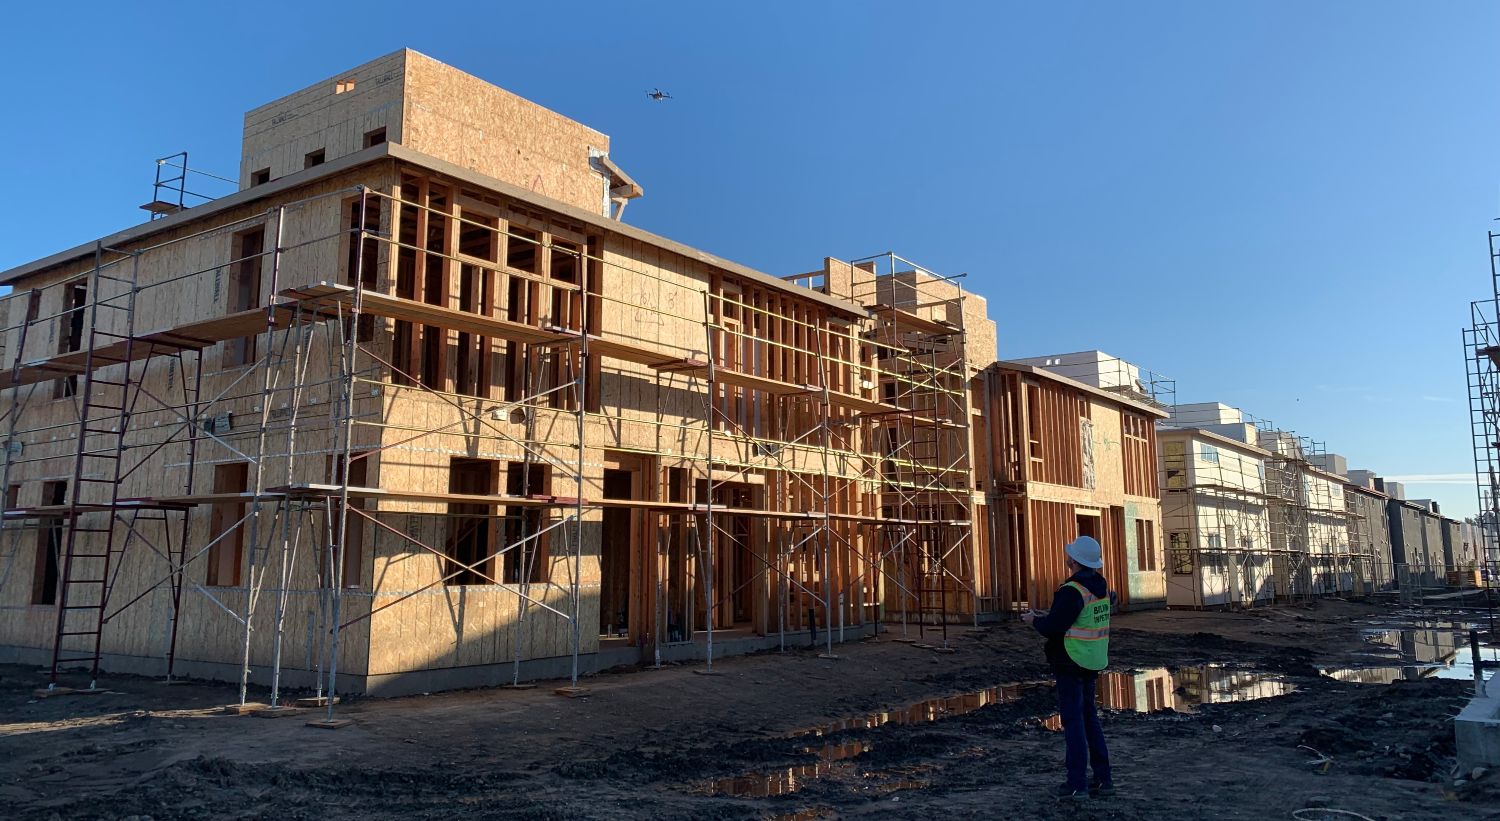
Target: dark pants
<point>1081,730</point>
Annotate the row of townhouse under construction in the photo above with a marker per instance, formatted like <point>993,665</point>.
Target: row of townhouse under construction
<point>1253,513</point>
<point>414,408</point>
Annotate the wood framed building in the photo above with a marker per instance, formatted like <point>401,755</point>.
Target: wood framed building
<point>1063,459</point>
<point>414,410</point>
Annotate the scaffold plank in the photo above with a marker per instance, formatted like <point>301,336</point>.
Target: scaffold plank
<point>188,336</point>
<point>905,320</point>
<point>392,307</point>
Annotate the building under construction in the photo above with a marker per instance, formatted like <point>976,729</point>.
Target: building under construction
<point>1215,512</point>
<point>1255,513</point>
<point>1071,452</point>
<point>414,409</point>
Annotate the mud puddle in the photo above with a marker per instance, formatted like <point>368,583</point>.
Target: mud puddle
<point>1187,688</point>
<point>1418,650</point>
<point>1181,690</point>
<point>1458,664</point>
<point>787,780</point>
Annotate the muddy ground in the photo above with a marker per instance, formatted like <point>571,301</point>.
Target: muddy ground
<point>664,743</point>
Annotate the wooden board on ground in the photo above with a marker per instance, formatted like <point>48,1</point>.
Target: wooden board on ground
<point>50,692</point>
<point>245,709</point>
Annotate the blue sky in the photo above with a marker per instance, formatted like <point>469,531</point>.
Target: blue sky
<point>1281,205</point>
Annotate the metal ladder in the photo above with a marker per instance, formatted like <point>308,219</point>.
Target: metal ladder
<point>84,570</point>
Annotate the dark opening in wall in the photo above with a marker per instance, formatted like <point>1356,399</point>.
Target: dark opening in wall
<point>247,249</point>
<point>470,526</point>
<point>354,536</point>
<point>526,561</point>
<point>227,553</point>
<point>364,256</point>
<point>70,338</point>
<point>521,251</point>
<point>49,544</point>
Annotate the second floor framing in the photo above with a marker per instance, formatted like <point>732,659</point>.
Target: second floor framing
<point>1051,430</point>
<point>469,289</point>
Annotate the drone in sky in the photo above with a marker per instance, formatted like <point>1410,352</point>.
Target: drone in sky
<point>658,95</point>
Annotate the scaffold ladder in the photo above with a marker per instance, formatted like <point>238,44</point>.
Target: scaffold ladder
<point>84,581</point>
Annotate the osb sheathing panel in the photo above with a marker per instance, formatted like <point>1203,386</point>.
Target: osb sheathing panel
<point>438,110</point>
<point>917,291</point>
<point>466,625</point>
<point>469,122</point>
<point>207,632</point>
<point>653,299</point>
<point>280,134</point>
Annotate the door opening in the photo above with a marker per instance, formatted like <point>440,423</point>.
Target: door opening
<point>617,544</point>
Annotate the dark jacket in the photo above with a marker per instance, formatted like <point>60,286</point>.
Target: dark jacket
<point>1066,605</point>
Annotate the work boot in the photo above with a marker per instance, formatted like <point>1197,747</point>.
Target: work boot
<point>1066,793</point>
<point>1099,789</point>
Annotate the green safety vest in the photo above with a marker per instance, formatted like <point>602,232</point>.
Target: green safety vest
<point>1087,641</point>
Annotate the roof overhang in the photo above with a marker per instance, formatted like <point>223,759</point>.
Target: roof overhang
<point>1368,491</point>
<point>623,186</point>
<point>1323,474</point>
<point>1217,438</point>
<point>1109,396</point>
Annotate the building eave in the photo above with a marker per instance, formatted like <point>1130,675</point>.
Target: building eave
<point>1369,491</point>
<point>1110,396</point>
<point>1218,438</point>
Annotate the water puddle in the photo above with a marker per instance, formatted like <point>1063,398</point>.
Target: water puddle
<point>1457,664</point>
<point>1144,691</point>
<point>1417,649</point>
<point>926,711</point>
<point>787,780</point>
<point>783,781</point>
<point>1180,691</point>
<point>1185,689</point>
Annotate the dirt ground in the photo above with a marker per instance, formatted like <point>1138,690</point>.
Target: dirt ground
<point>664,743</point>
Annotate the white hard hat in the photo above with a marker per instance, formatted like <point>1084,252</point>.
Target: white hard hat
<point>1085,550</point>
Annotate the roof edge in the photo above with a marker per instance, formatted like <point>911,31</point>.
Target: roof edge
<point>1021,367</point>
<point>1218,437</point>
<point>402,153</point>
<point>189,215</point>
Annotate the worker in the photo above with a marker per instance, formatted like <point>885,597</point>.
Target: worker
<point>1077,631</point>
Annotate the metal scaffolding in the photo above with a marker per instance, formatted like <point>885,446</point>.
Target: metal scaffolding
<point>1238,536</point>
<point>1482,357</point>
<point>840,442</point>
<point>926,445</point>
